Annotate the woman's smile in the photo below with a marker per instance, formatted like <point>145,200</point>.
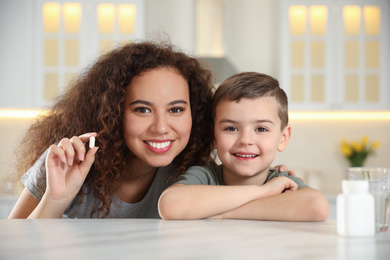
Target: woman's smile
<point>159,146</point>
<point>157,117</point>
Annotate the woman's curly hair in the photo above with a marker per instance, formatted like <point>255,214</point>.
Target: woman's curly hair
<point>94,103</point>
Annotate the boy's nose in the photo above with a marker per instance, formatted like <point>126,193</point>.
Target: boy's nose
<point>246,138</point>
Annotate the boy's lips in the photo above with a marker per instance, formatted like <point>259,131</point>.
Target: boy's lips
<point>245,155</point>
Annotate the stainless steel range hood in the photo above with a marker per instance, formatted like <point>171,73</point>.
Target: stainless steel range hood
<point>221,67</point>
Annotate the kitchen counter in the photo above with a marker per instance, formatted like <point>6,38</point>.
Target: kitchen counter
<point>196,239</point>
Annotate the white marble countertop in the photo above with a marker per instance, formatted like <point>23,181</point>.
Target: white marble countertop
<point>198,239</point>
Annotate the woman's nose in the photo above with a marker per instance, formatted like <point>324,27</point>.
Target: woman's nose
<point>160,124</point>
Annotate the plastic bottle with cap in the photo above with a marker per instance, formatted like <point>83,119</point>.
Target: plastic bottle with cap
<point>355,209</point>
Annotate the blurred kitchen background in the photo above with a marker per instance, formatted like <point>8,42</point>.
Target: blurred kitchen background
<point>331,57</point>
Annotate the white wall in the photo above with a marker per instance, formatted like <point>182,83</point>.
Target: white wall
<point>251,35</point>
<point>15,53</point>
<point>314,149</point>
<point>173,17</point>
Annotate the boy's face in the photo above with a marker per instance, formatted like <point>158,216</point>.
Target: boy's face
<point>247,136</point>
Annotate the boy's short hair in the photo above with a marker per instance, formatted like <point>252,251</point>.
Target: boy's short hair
<point>252,85</point>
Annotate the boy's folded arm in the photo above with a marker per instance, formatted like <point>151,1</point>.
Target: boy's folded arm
<point>203,201</point>
<point>306,204</point>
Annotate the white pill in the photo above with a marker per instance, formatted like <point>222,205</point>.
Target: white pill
<point>92,142</point>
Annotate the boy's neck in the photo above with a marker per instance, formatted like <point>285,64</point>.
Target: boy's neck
<point>258,179</point>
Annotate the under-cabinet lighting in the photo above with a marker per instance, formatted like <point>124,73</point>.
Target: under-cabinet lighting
<point>340,115</point>
<point>20,113</point>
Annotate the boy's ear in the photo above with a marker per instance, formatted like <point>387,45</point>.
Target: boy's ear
<point>286,135</point>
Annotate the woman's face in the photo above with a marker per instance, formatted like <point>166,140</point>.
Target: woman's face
<point>157,116</point>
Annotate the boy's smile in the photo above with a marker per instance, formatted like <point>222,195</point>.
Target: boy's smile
<point>247,136</point>
<point>245,156</point>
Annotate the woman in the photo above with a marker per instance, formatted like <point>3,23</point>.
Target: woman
<point>148,106</point>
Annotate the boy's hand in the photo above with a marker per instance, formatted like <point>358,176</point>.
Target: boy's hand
<point>278,185</point>
<point>284,168</point>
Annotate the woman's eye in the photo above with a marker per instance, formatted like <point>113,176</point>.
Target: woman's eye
<point>142,110</point>
<point>261,129</point>
<point>176,110</point>
<point>230,129</point>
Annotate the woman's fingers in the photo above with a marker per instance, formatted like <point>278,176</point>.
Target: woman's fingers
<point>71,150</point>
<point>86,165</point>
<point>54,151</point>
<point>85,137</point>
<point>79,147</point>
<point>67,146</point>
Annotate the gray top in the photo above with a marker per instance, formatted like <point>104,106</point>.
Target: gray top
<point>146,208</point>
<point>212,175</point>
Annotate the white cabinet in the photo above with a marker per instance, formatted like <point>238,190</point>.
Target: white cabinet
<point>47,43</point>
<point>335,54</point>
<point>70,35</point>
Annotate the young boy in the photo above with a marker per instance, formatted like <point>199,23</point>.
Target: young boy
<point>250,114</point>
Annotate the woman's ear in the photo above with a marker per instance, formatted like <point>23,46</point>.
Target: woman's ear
<point>286,135</point>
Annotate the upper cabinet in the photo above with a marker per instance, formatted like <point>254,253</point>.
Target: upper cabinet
<point>70,35</point>
<point>335,54</point>
<point>46,44</point>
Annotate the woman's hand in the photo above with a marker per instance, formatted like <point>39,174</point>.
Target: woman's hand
<point>67,166</point>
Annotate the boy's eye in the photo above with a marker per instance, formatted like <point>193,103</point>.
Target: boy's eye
<point>261,129</point>
<point>142,110</point>
<point>230,129</point>
<point>176,110</point>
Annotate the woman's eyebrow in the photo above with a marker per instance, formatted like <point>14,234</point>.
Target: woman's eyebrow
<point>147,103</point>
<point>140,101</point>
<point>179,101</point>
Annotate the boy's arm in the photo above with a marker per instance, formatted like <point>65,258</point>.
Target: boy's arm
<point>182,201</point>
<point>204,201</point>
<point>306,204</point>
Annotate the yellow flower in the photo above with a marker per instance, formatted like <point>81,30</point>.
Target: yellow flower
<point>357,147</point>
<point>346,150</point>
<point>375,145</point>
<point>356,152</point>
<point>364,140</point>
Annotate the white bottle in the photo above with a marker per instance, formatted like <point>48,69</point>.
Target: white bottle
<point>355,209</point>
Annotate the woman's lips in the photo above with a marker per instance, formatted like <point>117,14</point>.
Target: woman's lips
<point>159,146</point>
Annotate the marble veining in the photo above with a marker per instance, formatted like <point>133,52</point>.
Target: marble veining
<point>197,239</point>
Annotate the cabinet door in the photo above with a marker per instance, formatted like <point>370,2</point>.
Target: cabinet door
<point>334,54</point>
<point>363,54</point>
<point>71,35</point>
